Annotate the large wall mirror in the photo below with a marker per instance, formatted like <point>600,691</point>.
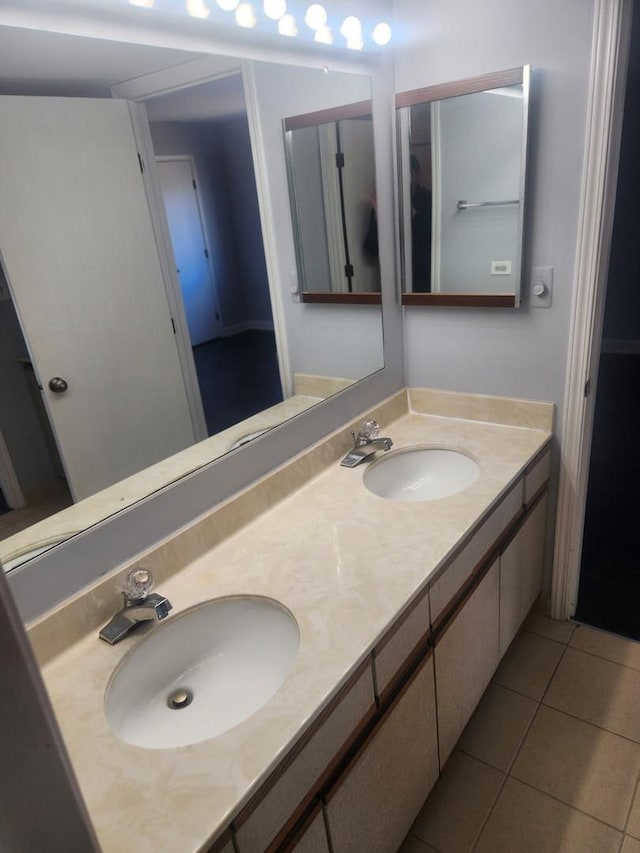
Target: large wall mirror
<point>144,331</point>
<point>462,151</point>
<point>331,173</point>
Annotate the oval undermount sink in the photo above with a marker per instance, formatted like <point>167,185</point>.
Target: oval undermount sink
<point>421,474</point>
<point>202,672</point>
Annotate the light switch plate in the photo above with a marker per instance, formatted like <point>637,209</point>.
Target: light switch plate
<point>541,287</point>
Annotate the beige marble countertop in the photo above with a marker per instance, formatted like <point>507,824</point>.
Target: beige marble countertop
<point>344,562</point>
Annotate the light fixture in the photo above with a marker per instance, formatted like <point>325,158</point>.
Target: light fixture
<point>198,9</point>
<point>287,26</point>
<point>227,5</point>
<point>323,35</point>
<point>316,17</point>
<point>381,34</point>
<point>274,9</point>
<point>146,4</point>
<point>246,15</point>
<point>351,28</point>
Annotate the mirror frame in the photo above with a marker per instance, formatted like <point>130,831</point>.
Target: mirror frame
<point>440,92</point>
<point>360,109</point>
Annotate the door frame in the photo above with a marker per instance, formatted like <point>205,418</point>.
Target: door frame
<point>204,70</point>
<point>605,109</point>
<point>174,158</point>
<point>8,479</point>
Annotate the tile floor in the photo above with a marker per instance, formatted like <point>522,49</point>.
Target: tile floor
<point>550,761</point>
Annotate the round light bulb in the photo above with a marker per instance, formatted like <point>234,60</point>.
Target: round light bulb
<point>323,36</point>
<point>274,9</point>
<point>287,26</point>
<point>316,17</point>
<point>381,34</point>
<point>197,9</point>
<point>227,5</point>
<point>246,15</point>
<point>351,28</point>
<point>146,4</point>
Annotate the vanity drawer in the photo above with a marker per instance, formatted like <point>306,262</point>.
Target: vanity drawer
<point>443,591</point>
<point>401,639</point>
<point>537,475</point>
<point>277,805</point>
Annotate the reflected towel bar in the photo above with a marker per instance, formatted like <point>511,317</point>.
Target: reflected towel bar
<point>465,205</point>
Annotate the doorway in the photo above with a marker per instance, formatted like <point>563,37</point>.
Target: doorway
<point>609,588</point>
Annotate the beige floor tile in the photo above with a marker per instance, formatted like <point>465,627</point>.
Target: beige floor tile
<point>528,821</point>
<point>631,845</point>
<point>553,629</point>
<point>411,844</point>
<point>609,646</point>
<point>453,814</point>
<point>528,665</point>
<point>633,827</point>
<point>580,764</point>
<point>598,691</point>
<point>498,726</point>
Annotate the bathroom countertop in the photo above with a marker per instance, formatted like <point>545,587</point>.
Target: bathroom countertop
<point>344,562</point>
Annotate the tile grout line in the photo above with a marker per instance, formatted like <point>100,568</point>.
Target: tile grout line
<point>590,723</point>
<point>517,751</point>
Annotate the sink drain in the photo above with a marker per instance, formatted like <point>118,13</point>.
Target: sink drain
<point>180,698</point>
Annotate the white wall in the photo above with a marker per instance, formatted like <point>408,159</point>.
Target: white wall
<point>345,341</point>
<point>521,353</point>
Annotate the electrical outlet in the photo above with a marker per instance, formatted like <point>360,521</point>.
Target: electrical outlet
<point>500,267</point>
<point>541,287</point>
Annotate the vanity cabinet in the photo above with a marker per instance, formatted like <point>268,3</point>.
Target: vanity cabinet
<point>466,656</point>
<point>521,568</point>
<point>267,820</point>
<point>376,799</point>
<point>312,836</point>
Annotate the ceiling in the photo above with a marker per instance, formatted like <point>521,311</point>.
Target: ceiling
<point>34,62</point>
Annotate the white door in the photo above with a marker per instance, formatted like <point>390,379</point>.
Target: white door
<point>189,248</point>
<point>83,267</point>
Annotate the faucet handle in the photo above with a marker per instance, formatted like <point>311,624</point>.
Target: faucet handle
<point>137,583</point>
<point>370,429</point>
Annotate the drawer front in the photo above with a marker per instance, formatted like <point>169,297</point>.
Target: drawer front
<point>537,476</point>
<point>443,591</point>
<point>255,832</point>
<point>393,651</point>
<point>373,805</point>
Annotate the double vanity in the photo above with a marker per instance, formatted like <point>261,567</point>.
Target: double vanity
<point>332,631</point>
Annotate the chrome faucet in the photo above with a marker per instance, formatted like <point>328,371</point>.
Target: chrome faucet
<point>140,605</point>
<point>365,444</point>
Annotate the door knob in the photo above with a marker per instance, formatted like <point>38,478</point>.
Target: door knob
<point>58,385</point>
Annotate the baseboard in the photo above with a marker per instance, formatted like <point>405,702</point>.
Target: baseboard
<point>247,326</point>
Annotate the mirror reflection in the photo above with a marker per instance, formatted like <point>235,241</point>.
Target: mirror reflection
<point>462,163</point>
<point>331,173</point>
<point>141,335</point>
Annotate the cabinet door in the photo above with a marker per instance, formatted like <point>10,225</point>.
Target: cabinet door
<point>313,839</point>
<point>373,805</point>
<point>521,569</point>
<point>466,656</point>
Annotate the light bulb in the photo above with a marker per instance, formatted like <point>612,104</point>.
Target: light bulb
<point>287,26</point>
<point>355,43</point>
<point>227,5</point>
<point>351,28</point>
<point>197,9</point>
<point>246,15</point>
<point>274,9</point>
<point>146,4</point>
<point>381,34</point>
<point>323,35</point>
<point>316,17</point>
